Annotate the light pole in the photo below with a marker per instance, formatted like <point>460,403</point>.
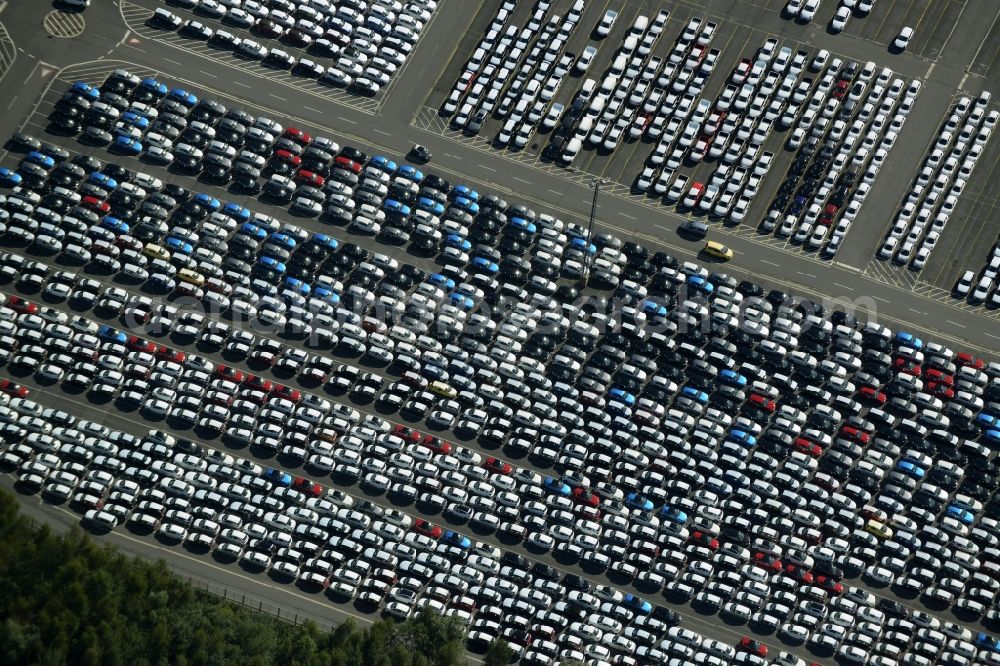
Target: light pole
<point>596,184</point>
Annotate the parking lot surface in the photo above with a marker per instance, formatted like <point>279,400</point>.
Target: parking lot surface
<point>265,338</point>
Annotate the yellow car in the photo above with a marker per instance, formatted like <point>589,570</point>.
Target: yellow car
<point>444,390</point>
<point>193,277</point>
<point>878,529</point>
<point>154,251</point>
<point>718,250</point>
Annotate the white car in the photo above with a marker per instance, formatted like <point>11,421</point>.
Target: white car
<point>839,20</point>
<point>607,22</point>
<point>808,11</point>
<point>903,39</point>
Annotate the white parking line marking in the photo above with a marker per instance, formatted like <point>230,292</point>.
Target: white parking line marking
<point>276,97</point>
<point>554,191</point>
<point>173,61</point>
<point>214,76</point>
<point>348,120</point>
<point>522,180</point>
<point>383,132</point>
<point>623,214</point>
<point>309,108</point>
<point>956,324</point>
<point>486,167</point>
<point>842,286</point>
<point>765,261</point>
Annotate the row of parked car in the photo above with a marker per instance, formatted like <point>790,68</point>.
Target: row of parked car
<point>367,42</point>
<point>694,395</point>
<point>936,190</point>
<point>975,290</point>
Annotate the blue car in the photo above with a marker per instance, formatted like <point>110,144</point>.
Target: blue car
<point>673,514</point>
<point>410,173</point>
<point>701,284</point>
<point>87,90</point>
<point>622,395</point>
<point>297,285</point>
<point>654,309</point>
<point>236,211</point>
<point>987,420</point>
<point>398,207</point>
<point>453,538</point>
<point>326,294</point>
<point>742,437</point>
<point>154,87</point>
<point>695,394</point>
<point>9,177</point>
<point>128,145</point>
<point>456,241</point>
<point>987,642</point>
<point>798,205</point>
<point>638,502</point>
<point>271,262</point>
<point>115,225</point>
<point>964,515</point>
<point>109,334</point>
<point>908,339</point>
<point>431,206</point>
<point>484,265</point>
<point>175,244</point>
<point>464,191</point>
<point>525,225</point>
<point>253,231</point>
<point>468,205</point>
<point>208,201</point>
<point>134,119</point>
<point>992,436</point>
<point>583,246</point>
<point>284,240</point>
<point>732,377</point>
<point>638,604</point>
<point>556,486</point>
<point>462,301</point>
<point>442,281</point>
<point>278,477</point>
<point>41,159</point>
<point>102,180</point>
<point>911,468</point>
<point>183,97</point>
<point>328,241</point>
<point>383,163</point>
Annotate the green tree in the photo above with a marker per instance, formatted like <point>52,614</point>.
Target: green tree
<point>499,653</point>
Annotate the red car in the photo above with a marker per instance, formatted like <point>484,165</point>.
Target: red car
<point>967,360</point>
<point>421,526</point>
<point>753,646</point>
<point>298,136</point>
<point>767,561</point>
<point>306,177</point>
<point>704,539</point>
<point>282,391</point>
<point>168,354</point>
<point>135,343</point>
<point>288,156</point>
<point>799,573</point>
<point>826,218</point>
<point>308,487</point>
<point>940,390</point>
<point>407,434</point>
<point>223,371</point>
<point>852,433</point>
<point>903,364</point>
<point>498,466</point>
<point>436,444</point>
<point>95,204</point>
<point>829,584</point>
<point>874,395</point>
<point>808,447</point>
<point>347,163</point>
<point>21,306</point>
<point>12,389</point>
<point>258,383</point>
<point>940,377</point>
<point>585,496</point>
<point>763,402</point>
<point>840,89</point>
